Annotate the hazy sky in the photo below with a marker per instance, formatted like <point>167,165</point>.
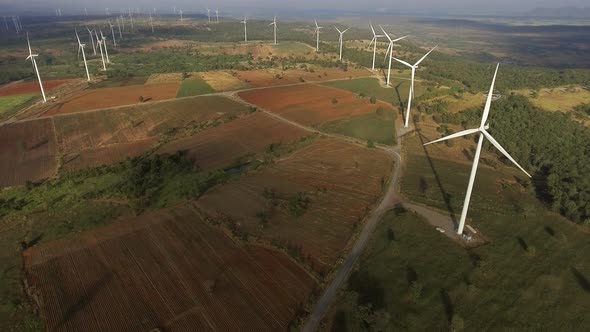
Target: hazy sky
<point>483,7</point>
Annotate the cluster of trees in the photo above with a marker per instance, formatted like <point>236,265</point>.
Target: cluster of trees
<point>551,145</point>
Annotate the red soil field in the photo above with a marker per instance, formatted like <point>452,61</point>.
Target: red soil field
<point>167,270</point>
<point>28,87</point>
<point>92,99</point>
<point>267,78</point>
<point>28,152</point>
<point>87,130</point>
<point>220,146</point>
<point>107,155</point>
<point>341,180</point>
<point>311,104</point>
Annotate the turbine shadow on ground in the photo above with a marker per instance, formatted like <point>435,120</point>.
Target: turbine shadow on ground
<point>581,279</point>
<point>444,194</point>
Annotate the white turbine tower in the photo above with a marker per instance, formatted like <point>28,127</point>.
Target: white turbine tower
<point>91,40</point>
<point>209,15</point>
<point>245,22</point>
<point>152,22</point>
<point>482,130</point>
<point>32,57</point>
<point>340,40</point>
<point>274,22</point>
<point>104,66</point>
<point>317,32</point>
<point>180,14</point>
<point>216,15</point>
<point>411,94</point>
<point>113,33</point>
<point>104,44</point>
<point>119,24</point>
<point>374,42</point>
<point>390,52</point>
<point>81,49</point>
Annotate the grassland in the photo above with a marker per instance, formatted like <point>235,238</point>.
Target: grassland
<point>379,128</point>
<point>292,47</point>
<point>370,87</point>
<point>10,103</point>
<point>193,86</point>
<point>562,99</point>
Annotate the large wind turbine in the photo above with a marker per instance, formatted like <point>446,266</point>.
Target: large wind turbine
<point>216,15</point>
<point>152,22</point>
<point>390,52</point>
<point>411,94</point>
<point>113,33</point>
<point>91,41</point>
<point>119,24</point>
<point>274,22</point>
<point>104,43</point>
<point>32,57</point>
<point>180,14</point>
<point>245,22</point>
<point>104,66</point>
<point>81,49</point>
<point>482,130</point>
<point>317,32</point>
<point>374,42</point>
<point>340,40</point>
<point>209,15</point>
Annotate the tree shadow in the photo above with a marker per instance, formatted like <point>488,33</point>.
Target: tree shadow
<point>581,279</point>
<point>34,241</point>
<point>340,323</point>
<point>390,235</point>
<point>522,243</point>
<point>474,258</point>
<point>411,275</point>
<point>445,195</point>
<point>447,303</point>
<point>369,289</point>
<point>84,299</point>
<point>549,230</point>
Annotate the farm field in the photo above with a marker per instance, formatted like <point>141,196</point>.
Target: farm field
<point>134,275</point>
<point>378,127</point>
<point>370,86</point>
<point>273,77</point>
<point>28,152</point>
<point>562,99</point>
<point>92,99</point>
<point>29,87</point>
<point>223,81</point>
<point>223,145</point>
<point>310,202</point>
<point>86,130</point>
<point>193,86</point>
<point>311,105</point>
<point>9,103</point>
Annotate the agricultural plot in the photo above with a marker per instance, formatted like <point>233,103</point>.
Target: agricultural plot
<point>562,99</point>
<point>92,99</point>
<point>223,145</point>
<point>193,87</point>
<point>274,77</point>
<point>378,127</point>
<point>28,152</point>
<point>369,87</point>
<point>223,81</point>
<point>29,87</point>
<point>10,103</point>
<point>309,202</point>
<point>312,105</point>
<point>136,276</point>
<point>87,130</point>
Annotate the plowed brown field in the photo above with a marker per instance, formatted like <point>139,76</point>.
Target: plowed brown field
<point>92,99</point>
<point>311,104</point>
<point>167,270</point>
<point>27,152</point>
<point>267,77</point>
<point>28,87</point>
<point>220,146</point>
<point>341,180</point>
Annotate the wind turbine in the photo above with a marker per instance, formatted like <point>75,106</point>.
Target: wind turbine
<point>411,94</point>
<point>104,67</point>
<point>91,40</point>
<point>81,49</point>
<point>340,40</point>
<point>32,57</point>
<point>374,42</point>
<point>317,31</point>
<point>482,130</point>
<point>152,22</point>
<point>390,51</point>
<point>119,24</point>
<point>180,14</point>
<point>274,22</point>
<point>216,15</point>
<point>113,33</point>
<point>245,29</point>
<point>104,43</point>
<point>209,15</point>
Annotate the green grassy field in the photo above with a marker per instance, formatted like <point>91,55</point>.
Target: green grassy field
<point>374,127</point>
<point>120,82</point>
<point>9,103</point>
<point>291,47</point>
<point>193,87</point>
<point>371,87</point>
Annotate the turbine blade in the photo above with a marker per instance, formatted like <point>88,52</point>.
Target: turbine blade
<point>374,40</point>
<point>486,110</point>
<point>316,23</point>
<point>400,38</point>
<point>402,61</point>
<point>79,46</point>
<point>345,30</point>
<point>372,29</point>
<point>425,55</point>
<point>29,43</point>
<point>338,30</point>
<point>386,34</point>
<point>455,135</point>
<point>387,52</point>
<point>499,147</point>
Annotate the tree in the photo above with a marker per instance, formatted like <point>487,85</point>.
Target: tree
<point>334,101</point>
<point>373,100</point>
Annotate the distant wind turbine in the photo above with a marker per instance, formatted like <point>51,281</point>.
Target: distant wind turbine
<point>374,42</point>
<point>317,32</point>
<point>390,52</point>
<point>274,22</point>
<point>91,40</point>
<point>152,22</point>
<point>341,40</point>
<point>119,24</point>
<point>180,14</point>
<point>411,94</point>
<point>104,44</point>
<point>245,22</point>
<point>104,66</point>
<point>32,57</point>
<point>81,49</point>
<point>216,15</point>
<point>113,33</point>
<point>209,15</point>
<point>482,130</point>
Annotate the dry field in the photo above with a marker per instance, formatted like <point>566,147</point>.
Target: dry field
<point>342,181</point>
<point>164,78</point>
<point>166,270</point>
<point>29,87</point>
<point>267,77</point>
<point>92,99</point>
<point>562,99</point>
<point>311,104</point>
<point>222,145</point>
<point>223,81</point>
<point>28,152</point>
<point>76,132</point>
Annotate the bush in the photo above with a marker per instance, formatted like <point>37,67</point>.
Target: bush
<point>373,100</point>
<point>370,144</point>
<point>334,101</point>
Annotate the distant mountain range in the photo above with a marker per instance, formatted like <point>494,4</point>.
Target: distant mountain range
<point>561,12</point>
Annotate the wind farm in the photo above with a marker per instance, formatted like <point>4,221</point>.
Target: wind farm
<point>208,169</point>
